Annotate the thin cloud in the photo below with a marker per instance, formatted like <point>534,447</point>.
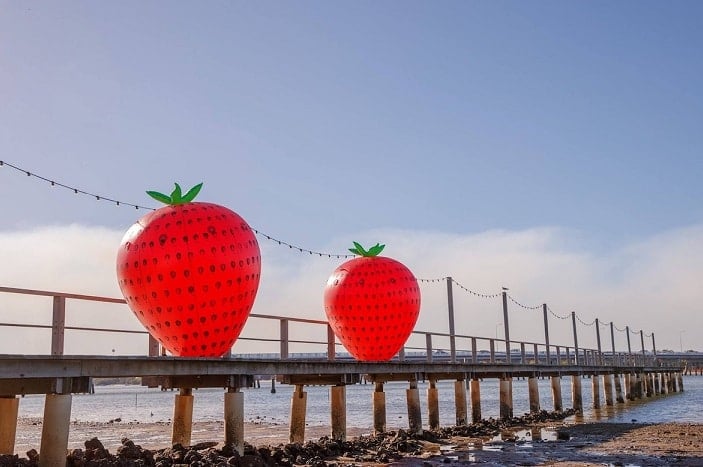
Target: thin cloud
<point>651,285</point>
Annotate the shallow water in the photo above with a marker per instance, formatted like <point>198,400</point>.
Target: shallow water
<point>137,403</point>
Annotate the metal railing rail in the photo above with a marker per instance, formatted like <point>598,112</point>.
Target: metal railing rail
<point>462,348</point>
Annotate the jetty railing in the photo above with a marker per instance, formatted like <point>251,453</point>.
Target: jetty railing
<point>461,349</point>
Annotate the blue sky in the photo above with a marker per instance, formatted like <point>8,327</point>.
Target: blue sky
<point>319,122</point>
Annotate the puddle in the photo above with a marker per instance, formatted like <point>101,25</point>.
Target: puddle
<point>534,434</point>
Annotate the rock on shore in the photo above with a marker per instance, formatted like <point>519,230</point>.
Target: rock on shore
<point>380,448</point>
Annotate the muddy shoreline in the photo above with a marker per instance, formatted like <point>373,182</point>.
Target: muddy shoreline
<point>540,439</point>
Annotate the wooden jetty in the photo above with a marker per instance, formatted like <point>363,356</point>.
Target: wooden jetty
<point>615,376</point>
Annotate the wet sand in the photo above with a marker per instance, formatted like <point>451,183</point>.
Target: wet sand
<point>550,443</point>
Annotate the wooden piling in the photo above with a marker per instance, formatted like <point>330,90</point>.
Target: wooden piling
<point>628,387</point>
<point>506,401</point>
<point>338,412</point>
<point>608,389</point>
<point>665,383</point>
<point>595,390</point>
<point>533,389</point>
<point>475,400</point>
<point>9,407</point>
<point>379,409</point>
<point>298,408</point>
<point>55,426</point>
<point>576,394</point>
<point>414,411</point>
<point>618,389</point>
<point>460,402</point>
<point>657,383</point>
<point>649,378</point>
<point>234,419</point>
<point>433,405</point>
<point>556,394</point>
<point>182,418</point>
<point>680,375</point>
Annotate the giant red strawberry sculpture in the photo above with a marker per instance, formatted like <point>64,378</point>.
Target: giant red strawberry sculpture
<point>372,304</point>
<point>190,272</point>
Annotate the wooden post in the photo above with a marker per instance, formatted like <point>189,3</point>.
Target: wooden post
<point>153,346</point>
<point>644,354</point>
<point>414,410</point>
<point>576,339</point>
<point>506,326</point>
<point>234,419</point>
<point>428,346</point>
<point>298,407</point>
<point>331,340</point>
<point>595,387</point>
<point>55,427</point>
<point>506,402</point>
<point>628,387</point>
<point>599,360</point>
<point>556,394</point>
<point>58,325</point>
<point>680,375</point>
<point>666,383</point>
<point>657,384</point>
<point>379,409</point>
<point>608,388</point>
<point>433,405</point>
<point>284,338</point>
<point>9,407</point>
<point>533,389</point>
<point>535,352</point>
<point>576,394</point>
<point>338,412</point>
<point>475,400</point>
<point>450,308</point>
<point>460,402</point>
<point>612,342</point>
<point>182,418</point>
<point>546,333</point>
<point>650,384</point>
<point>618,389</point>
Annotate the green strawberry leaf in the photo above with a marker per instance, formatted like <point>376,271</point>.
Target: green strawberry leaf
<point>159,197</point>
<point>376,249</point>
<point>359,248</point>
<point>373,251</point>
<point>192,193</point>
<point>176,195</point>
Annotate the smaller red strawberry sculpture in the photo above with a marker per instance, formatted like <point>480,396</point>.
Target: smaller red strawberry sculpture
<point>190,272</point>
<point>372,304</point>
